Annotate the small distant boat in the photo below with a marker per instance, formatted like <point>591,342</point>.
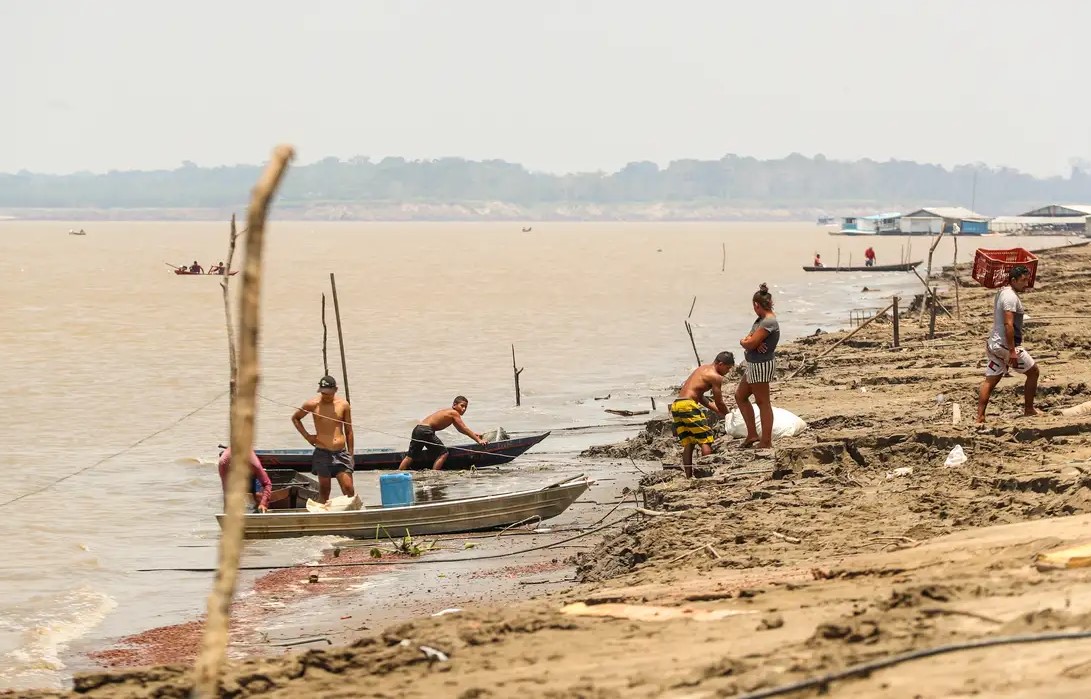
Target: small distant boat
<point>460,456</point>
<point>439,517</point>
<point>73,231</point>
<point>905,267</point>
<point>186,273</point>
<point>528,229</point>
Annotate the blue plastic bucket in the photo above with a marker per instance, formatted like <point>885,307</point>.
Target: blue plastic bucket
<point>396,489</point>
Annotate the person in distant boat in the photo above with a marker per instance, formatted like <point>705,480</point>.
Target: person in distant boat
<point>260,485</point>
<point>690,425</point>
<point>817,260</point>
<point>216,269</point>
<point>869,257</point>
<point>1004,346</point>
<point>760,345</point>
<point>333,441</point>
<point>196,268</point>
<point>424,437</point>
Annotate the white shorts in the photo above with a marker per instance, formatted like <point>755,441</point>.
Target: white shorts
<point>998,360</point>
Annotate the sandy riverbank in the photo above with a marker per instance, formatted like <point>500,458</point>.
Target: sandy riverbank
<point>784,567</point>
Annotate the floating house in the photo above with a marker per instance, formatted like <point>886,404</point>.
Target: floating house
<point>942,219</point>
<point>876,224</point>
<point>1047,219</point>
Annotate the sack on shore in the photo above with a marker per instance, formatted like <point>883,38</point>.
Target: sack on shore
<point>340,503</point>
<point>785,423</point>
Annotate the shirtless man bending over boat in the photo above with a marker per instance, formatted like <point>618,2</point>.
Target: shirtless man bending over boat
<point>333,441</point>
<point>690,426</point>
<point>424,436</point>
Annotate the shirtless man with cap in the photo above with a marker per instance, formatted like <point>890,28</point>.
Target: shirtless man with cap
<point>333,440</point>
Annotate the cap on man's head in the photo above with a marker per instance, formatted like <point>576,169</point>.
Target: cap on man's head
<point>1018,271</point>
<point>327,382</point>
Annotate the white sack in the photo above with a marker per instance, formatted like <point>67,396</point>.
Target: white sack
<point>785,423</point>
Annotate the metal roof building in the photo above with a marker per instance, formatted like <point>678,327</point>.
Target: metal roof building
<point>938,219</point>
<point>1061,211</point>
<point>1055,217</point>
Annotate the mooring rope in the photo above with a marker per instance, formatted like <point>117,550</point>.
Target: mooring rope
<point>116,454</point>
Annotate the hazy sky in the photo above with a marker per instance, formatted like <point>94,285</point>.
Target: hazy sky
<point>558,86</point>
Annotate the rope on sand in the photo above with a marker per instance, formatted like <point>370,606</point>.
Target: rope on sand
<point>870,666</point>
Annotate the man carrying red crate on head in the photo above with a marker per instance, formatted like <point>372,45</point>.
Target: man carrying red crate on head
<point>1004,348</point>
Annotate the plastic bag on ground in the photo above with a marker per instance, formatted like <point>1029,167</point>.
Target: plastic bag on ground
<point>785,423</point>
<point>497,435</point>
<point>957,457</point>
<point>341,503</point>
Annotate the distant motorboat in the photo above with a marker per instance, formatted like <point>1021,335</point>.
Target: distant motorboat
<point>528,229</point>
<point>73,231</point>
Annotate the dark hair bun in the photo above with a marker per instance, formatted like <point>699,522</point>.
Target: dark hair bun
<point>764,288</point>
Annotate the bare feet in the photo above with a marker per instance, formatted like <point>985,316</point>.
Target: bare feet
<point>747,443</point>
<point>1030,412</point>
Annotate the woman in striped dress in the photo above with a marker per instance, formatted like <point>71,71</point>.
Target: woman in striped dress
<point>760,346</point>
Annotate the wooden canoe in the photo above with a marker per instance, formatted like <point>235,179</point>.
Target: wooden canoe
<point>291,489</point>
<point>440,517</point>
<point>876,268</point>
<point>461,456</point>
<point>186,273</point>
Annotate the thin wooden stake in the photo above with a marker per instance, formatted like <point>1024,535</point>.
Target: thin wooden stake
<point>214,642</point>
<point>723,265</point>
<point>958,309</point>
<point>340,338</point>
<point>515,372</point>
<point>691,307</point>
<point>932,318</point>
<point>325,360</point>
<point>653,402</point>
<point>689,330</point>
<point>897,325</point>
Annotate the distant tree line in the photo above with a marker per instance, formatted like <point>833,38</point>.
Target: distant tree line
<point>791,182</point>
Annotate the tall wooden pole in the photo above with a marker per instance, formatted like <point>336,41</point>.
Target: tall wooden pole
<point>325,358</point>
<point>340,338</point>
<point>723,265</point>
<point>214,642</point>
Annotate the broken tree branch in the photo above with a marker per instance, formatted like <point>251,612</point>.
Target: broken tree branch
<point>214,642</point>
<point>823,353</point>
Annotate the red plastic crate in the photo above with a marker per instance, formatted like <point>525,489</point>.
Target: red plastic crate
<point>991,267</point>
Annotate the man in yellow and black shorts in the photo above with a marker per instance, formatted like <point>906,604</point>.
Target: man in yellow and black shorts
<point>690,425</point>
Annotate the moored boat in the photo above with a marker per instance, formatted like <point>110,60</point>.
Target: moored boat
<point>460,456</point>
<point>440,517</point>
<point>904,267</point>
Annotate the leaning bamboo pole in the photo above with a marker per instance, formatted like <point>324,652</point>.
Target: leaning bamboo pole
<point>214,643</point>
<point>869,321</point>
